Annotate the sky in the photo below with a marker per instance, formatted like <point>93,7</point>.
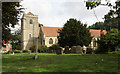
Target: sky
<point>55,13</point>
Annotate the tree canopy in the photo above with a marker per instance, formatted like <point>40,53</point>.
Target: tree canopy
<point>113,24</point>
<point>109,41</point>
<point>112,19</point>
<point>10,16</point>
<point>16,40</point>
<point>97,25</point>
<point>74,33</point>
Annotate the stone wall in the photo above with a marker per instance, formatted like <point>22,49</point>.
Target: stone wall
<point>54,38</point>
<point>28,29</point>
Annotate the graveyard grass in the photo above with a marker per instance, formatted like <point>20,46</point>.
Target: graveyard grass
<point>22,62</point>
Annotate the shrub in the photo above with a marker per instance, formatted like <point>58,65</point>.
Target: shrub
<point>32,48</point>
<point>16,46</point>
<point>16,51</point>
<point>9,52</point>
<point>54,47</point>
<point>89,50</point>
<point>42,48</point>
<point>25,51</point>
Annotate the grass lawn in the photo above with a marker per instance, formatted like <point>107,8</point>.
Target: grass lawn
<point>22,62</point>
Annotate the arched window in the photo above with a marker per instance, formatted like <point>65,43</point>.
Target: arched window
<point>31,21</point>
<point>50,41</point>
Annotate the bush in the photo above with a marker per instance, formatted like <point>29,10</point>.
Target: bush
<point>89,51</point>
<point>42,48</point>
<point>16,46</point>
<point>16,51</point>
<point>25,51</point>
<point>32,48</point>
<point>9,52</point>
<point>99,51</point>
<point>54,47</point>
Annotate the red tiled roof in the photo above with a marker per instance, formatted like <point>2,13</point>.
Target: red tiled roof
<point>52,31</point>
<point>29,13</point>
<point>96,32</point>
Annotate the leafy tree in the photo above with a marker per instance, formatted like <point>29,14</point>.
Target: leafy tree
<point>16,40</point>
<point>40,24</point>
<point>97,25</point>
<point>105,25</point>
<point>94,4</point>
<point>111,20</point>
<point>10,15</point>
<point>74,33</point>
<point>109,41</point>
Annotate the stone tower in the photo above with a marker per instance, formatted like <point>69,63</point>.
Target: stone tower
<point>29,30</point>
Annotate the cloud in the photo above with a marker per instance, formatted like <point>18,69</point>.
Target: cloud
<point>38,7</point>
<point>57,12</point>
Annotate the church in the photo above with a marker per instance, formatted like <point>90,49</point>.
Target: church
<point>31,31</point>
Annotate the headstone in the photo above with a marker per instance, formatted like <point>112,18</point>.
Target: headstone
<point>59,51</point>
<point>73,49</point>
<point>67,50</point>
<point>78,49</point>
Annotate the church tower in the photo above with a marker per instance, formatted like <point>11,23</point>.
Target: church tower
<point>29,29</point>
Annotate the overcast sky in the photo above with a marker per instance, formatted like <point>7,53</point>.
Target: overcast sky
<point>55,13</point>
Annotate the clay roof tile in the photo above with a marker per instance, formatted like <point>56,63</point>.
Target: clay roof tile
<point>29,13</point>
<point>53,31</point>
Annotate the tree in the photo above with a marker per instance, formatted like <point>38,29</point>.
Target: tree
<point>97,25</point>
<point>105,25</point>
<point>74,33</point>
<point>10,15</point>
<point>16,40</point>
<point>112,19</point>
<point>109,41</point>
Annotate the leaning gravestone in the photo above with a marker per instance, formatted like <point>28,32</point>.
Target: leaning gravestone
<point>78,49</point>
<point>73,49</point>
<point>67,50</point>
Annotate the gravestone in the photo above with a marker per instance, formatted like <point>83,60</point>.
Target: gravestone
<point>67,50</point>
<point>59,51</point>
<point>73,49</point>
<point>78,49</point>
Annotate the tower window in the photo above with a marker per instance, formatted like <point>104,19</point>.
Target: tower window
<point>50,41</point>
<point>31,21</point>
<point>30,36</point>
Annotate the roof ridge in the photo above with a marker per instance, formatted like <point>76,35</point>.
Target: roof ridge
<point>30,13</point>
